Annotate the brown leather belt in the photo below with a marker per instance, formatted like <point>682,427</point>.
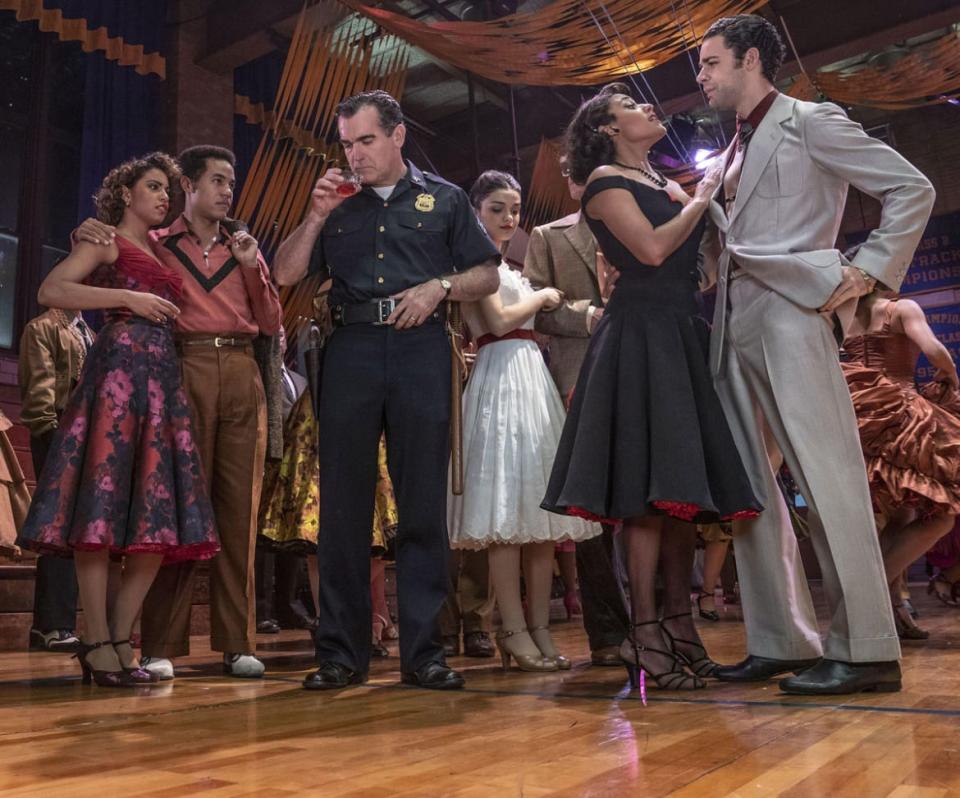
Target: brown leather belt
<point>217,341</point>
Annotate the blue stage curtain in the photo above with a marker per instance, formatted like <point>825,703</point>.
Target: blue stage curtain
<point>121,115</point>
<point>121,107</point>
<point>256,81</point>
<point>130,33</point>
<point>134,22</point>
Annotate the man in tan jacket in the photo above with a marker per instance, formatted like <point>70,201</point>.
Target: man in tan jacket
<point>52,350</point>
<point>563,254</point>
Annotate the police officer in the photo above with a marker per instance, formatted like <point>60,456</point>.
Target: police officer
<point>396,250</point>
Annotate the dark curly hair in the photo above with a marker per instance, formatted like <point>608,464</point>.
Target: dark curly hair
<point>587,147</point>
<point>109,198</point>
<point>744,31</point>
<point>491,181</point>
<point>193,160</point>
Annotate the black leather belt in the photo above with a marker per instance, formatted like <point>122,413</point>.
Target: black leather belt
<point>376,312</point>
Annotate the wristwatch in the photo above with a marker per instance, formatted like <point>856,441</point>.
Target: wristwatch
<point>446,285</point>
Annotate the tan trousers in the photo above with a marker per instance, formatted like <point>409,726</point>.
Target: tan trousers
<point>230,425</point>
<point>468,594</point>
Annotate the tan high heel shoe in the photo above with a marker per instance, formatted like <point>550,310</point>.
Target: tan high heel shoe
<point>525,662</point>
<point>538,633</point>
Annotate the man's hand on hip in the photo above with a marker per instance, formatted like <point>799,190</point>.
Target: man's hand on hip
<point>414,305</point>
<point>852,285</point>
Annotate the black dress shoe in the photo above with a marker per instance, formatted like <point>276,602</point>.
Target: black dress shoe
<point>434,676</point>
<point>333,676</point>
<point>831,677</point>
<point>451,645</point>
<point>268,627</point>
<point>306,622</point>
<point>760,669</point>
<point>478,644</point>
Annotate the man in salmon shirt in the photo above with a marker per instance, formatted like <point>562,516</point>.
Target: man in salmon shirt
<point>228,299</point>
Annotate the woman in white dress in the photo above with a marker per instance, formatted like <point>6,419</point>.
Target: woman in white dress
<point>512,421</point>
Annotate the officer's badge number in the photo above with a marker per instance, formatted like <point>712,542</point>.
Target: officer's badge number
<point>425,203</point>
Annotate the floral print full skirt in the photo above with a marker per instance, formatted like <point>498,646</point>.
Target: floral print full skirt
<point>123,473</point>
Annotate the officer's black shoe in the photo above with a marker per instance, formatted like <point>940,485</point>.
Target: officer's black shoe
<point>830,677</point>
<point>478,644</point>
<point>451,645</point>
<point>268,626</point>
<point>760,669</point>
<point>333,676</point>
<point>434,676</point>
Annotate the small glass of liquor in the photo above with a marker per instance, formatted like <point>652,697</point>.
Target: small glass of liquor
<point>351,183</point>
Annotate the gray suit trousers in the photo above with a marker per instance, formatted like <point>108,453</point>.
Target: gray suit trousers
<point>782,388</point>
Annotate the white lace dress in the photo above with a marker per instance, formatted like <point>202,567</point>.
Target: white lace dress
<point>512,420</point>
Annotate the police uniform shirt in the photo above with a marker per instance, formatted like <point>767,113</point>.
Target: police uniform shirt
<point>374,247</point>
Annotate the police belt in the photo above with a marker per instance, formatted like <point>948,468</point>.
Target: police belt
<point>376,312</point>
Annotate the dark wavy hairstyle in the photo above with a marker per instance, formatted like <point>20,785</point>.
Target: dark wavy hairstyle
<point>744,31</point>
<point>109,198</point>
<point>587,147</point>
<point>193,160</point>
<point>491,181</point>
<point>389,112</point>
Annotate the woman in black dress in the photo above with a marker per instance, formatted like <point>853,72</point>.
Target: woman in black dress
<point>646,442</point>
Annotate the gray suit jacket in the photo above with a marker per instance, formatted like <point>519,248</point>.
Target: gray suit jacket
<point>563,254</point>
<point>793,186</point>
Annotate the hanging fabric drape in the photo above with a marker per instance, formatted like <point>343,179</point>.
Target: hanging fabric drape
<point>323,66</point>
<point>559,43</point>
<point>255,86</point>
<point>121,120</point>
<point>123,78</point>
<point>928,75</point>
<point>125,32</point>
<point>547,197</point>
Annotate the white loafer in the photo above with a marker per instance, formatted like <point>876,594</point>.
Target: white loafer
<point>243,666</point>
<point>161,666</point>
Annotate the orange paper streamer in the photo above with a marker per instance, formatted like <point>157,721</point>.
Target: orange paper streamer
<point>561,43</point>
<point>928,75</point>
<point>324,65</point>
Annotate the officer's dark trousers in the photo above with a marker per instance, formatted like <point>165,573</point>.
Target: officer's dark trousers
<point>378,378</point>
<point>604,617</point>
<point>55,589</point>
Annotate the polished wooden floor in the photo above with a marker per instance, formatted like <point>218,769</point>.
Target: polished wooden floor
<point>508,734</point>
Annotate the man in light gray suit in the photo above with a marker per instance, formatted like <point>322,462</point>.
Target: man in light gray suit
<point>784,297</point>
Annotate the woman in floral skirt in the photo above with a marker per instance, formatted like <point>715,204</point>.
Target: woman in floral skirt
<point>123,477</point>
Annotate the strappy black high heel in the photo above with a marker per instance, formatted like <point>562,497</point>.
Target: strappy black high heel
<point>702,666</point>
<point>102,678</point>
<point>707,615</point>
<point>677,678</point>
<point>138,674</point>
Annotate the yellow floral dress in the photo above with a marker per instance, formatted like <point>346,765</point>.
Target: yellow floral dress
<point>290,504</point>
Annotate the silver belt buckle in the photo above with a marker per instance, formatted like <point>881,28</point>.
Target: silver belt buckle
<point>384,308</point>
<point>218,341</point>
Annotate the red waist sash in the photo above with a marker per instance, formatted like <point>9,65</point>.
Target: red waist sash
<point>526,335</point>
